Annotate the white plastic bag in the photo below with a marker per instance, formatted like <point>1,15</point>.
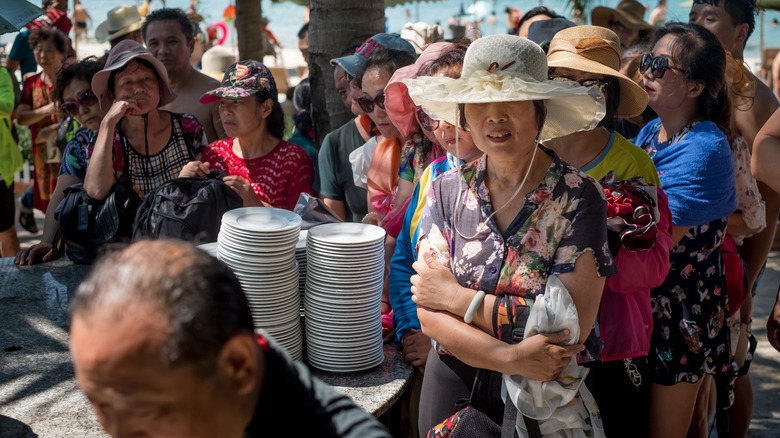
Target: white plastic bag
<point>563,407</point>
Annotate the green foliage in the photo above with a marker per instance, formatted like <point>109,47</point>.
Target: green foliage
<point>25,142</point>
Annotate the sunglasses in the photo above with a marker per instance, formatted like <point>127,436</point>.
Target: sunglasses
<point>657,65</point>
<point>84,99</point>
<point>367,103</point>
<point>426,121</point>
<point>585,83</point>
<point>348,77</point>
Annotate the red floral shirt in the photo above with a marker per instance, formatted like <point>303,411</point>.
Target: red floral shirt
<point>278,177</point>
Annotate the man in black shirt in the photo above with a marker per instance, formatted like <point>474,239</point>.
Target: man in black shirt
<point>163,345</point>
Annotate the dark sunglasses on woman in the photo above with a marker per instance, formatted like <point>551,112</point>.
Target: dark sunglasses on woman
<point>367,103</point>
<point>85,99</point>
<point>658,65</point>
<point>426,121</point>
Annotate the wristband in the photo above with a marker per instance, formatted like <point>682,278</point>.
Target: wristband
<point>475,302</point>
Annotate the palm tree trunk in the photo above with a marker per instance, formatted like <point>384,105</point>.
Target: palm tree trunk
<point>252,41</point>
<point>334,26</point>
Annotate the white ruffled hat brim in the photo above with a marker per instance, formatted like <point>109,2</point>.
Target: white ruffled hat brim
<point>570,106</point>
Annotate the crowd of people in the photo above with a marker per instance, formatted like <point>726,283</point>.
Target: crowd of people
<point>634,163</point>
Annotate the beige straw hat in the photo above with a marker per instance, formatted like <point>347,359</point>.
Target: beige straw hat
<point>121,21</point>
<point>630,13</point>
<point>508,68</point>
<point>595,49</point>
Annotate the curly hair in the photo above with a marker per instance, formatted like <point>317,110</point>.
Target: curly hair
<point>82,70</point>
<point>52,34</point>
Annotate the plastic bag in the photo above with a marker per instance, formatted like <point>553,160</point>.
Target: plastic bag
<point>314,212</point>
<point>563,407</point>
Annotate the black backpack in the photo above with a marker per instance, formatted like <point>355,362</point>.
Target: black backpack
<point>87,225</point>
<point>190,209</point>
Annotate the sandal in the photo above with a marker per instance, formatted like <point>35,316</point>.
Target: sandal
<point>27,221</point>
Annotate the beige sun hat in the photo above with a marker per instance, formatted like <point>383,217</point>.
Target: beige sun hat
<point>121,21</point>
<point>595,49</point>
<point>508,68</point>
<point>629,13</point>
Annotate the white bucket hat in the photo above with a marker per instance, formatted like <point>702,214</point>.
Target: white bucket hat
<point>508,68</point>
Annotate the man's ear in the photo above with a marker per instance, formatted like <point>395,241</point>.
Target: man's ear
<point>239,363</point>
<point>742,34</point>
<point>191,45</point>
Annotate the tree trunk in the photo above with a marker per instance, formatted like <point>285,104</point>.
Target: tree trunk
<point>252,41</point>
<point>334,26</point>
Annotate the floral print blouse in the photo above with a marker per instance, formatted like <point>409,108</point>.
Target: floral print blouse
<point>561,219</point>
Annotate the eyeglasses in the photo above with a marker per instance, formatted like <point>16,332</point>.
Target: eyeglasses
<point>585,82</point>
<point>367,103</point>
<point>84,99</point>
<point>426,121</point>
<point>348,77</point>
<point>658,65</point>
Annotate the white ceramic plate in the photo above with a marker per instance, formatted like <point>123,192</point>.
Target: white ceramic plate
<point>261,219</point>
<point>346,233</point>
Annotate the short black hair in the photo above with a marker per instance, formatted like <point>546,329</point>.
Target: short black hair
<point>170,14</point>
<point>82,70</point>
<point>740,11</point>
<point>533,12</point>
<point>304,32</point>
<point>199,297</point>
<point>388,59</point>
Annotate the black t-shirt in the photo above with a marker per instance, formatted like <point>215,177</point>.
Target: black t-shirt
<point>294,403</point>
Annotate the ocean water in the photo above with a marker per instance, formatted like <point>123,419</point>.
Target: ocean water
<point>287,17</point>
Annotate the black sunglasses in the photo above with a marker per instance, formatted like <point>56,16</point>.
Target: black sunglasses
<point>585,82</point>
<point>367,103</point>
<point>426,121</point>
<point>657,65</point>
<point>348,76</point>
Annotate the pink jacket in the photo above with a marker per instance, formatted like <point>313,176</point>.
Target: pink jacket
<point>625,319</point>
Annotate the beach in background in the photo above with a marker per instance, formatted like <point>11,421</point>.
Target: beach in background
<point>286,18</point>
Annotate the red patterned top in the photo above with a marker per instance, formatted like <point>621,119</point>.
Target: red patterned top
<point>278,177</point>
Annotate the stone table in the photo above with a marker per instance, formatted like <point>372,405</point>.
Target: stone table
<point>38,392</point>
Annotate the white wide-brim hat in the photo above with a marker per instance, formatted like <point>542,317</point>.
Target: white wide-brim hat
<point>508,68</point>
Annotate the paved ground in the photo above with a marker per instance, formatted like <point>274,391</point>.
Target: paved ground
<point>765,370</point>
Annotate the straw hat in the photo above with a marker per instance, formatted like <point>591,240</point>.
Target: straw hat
<point>216,61</point>
<point>629,13</point>
<point>118,57</point>
<point>596,49</point>
<point>399,106</point>
<point>121,21</point>
<point>508,68</point>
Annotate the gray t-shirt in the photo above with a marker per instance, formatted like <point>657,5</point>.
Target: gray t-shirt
<point>336,171</point>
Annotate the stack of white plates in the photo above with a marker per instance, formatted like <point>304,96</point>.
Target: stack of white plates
<point>300,257</point>
<point>258,244</point>
<point>343,293</point>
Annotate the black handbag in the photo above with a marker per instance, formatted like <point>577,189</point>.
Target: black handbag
<point>88,224</point>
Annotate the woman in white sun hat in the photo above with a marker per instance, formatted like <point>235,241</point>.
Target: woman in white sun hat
<point>495,230</point>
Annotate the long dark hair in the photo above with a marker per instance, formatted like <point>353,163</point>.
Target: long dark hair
<point>698,52</point>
